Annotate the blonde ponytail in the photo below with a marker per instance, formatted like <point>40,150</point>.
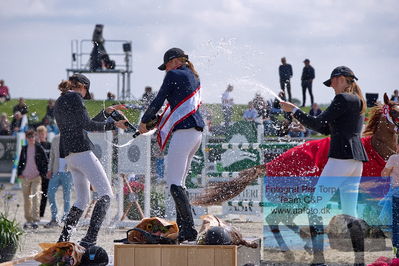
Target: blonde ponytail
<point>190,65</point>
<point>353,88</point>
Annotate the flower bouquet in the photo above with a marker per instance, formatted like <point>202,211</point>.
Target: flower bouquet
<point>60,254</point>
<point>156,227</point>
<point>384,261</point>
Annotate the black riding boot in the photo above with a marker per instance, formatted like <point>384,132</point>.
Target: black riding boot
<point>178,216</point>
<point>317,237</point>
<point>96,220</point>
<point>357,238</point>
<point>183,214</point>
<point>70,222</point>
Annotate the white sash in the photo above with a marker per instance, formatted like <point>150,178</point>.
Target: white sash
<point>170,119</point>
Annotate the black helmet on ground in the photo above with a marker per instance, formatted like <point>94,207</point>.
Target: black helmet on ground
<point>95,256</point>
<point>217,235</point>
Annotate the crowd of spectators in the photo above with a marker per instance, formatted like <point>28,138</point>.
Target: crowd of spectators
<point>22,120</point>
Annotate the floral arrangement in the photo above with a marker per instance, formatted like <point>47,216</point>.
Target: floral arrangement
<point>60,254</point>
<point>384,261</point>
<point>156,226</point>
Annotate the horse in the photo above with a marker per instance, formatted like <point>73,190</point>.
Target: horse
<point>380,137</point>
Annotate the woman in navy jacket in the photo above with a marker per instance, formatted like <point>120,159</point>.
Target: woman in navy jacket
<point>75,146</point>
<point>343,120</point>
<point>181,88</point>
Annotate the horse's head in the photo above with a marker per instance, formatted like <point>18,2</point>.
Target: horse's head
<point>383,116</point>
<point>391,111</point>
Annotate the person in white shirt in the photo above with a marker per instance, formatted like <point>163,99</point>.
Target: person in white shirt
<point>250,114</point>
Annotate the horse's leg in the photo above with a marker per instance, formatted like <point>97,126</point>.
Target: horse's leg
<point>357,238</point>
<point>317,237</point>
<point>273,225</point>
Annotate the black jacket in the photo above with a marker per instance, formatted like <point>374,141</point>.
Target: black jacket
<point>40,159</point>
<point>343,121</point>
<point>285,72</point>
<point>308,73</point>
<point>74,122</point>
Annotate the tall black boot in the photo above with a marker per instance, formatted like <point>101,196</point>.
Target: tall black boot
<point>178,216</point>
<point>96,220</point>
<point>357,238</point>
<point>184,214</point>
<point>70,222</point>
<point>317,237</point>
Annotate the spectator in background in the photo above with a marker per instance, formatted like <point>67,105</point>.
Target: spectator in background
<point>307,78</point>
<point>46,146</point>
<point>31,168</point>
<point>250,114</point>
<point>33,121</point>
<point>285,73</point>
<point>110,96</point>
<point>207,116</point>
<point>315,110</point>
<point>4,92</point>
<point>4,125</point>
<point>50,124</point>
<point>261,106</point>
<point>395,96</point>
<point>16,123</point>
<point>227,105</point>
<point>296,129</point>
<point>147,97</point>
<point>50,109</point>
<point>59,176</point>
<point>20,107</point>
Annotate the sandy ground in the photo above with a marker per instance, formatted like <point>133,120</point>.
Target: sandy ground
<point>31,239</point>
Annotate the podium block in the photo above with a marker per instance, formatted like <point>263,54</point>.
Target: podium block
<point>184,255</point>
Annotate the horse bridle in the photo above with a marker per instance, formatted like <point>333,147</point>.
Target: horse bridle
<point>391,115</point>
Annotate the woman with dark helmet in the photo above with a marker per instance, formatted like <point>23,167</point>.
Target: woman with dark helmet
<point>75,146</point>
<point>343,120</point>
<point>182,121</point>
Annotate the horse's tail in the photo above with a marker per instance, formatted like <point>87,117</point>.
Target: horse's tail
<point>217,193</point>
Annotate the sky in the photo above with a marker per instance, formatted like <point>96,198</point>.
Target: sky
<point>238,42</point>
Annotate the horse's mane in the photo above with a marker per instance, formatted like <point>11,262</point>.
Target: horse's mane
<point>373,120</point>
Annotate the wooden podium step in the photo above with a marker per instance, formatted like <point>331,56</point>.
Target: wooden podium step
<point>184,255</point>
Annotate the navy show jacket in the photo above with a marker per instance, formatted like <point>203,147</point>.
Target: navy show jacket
<point>177,85</point>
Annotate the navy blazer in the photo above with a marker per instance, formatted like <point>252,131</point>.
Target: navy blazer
<point>177,85</point>
<point>343,121</point>
<point>74,122</point>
